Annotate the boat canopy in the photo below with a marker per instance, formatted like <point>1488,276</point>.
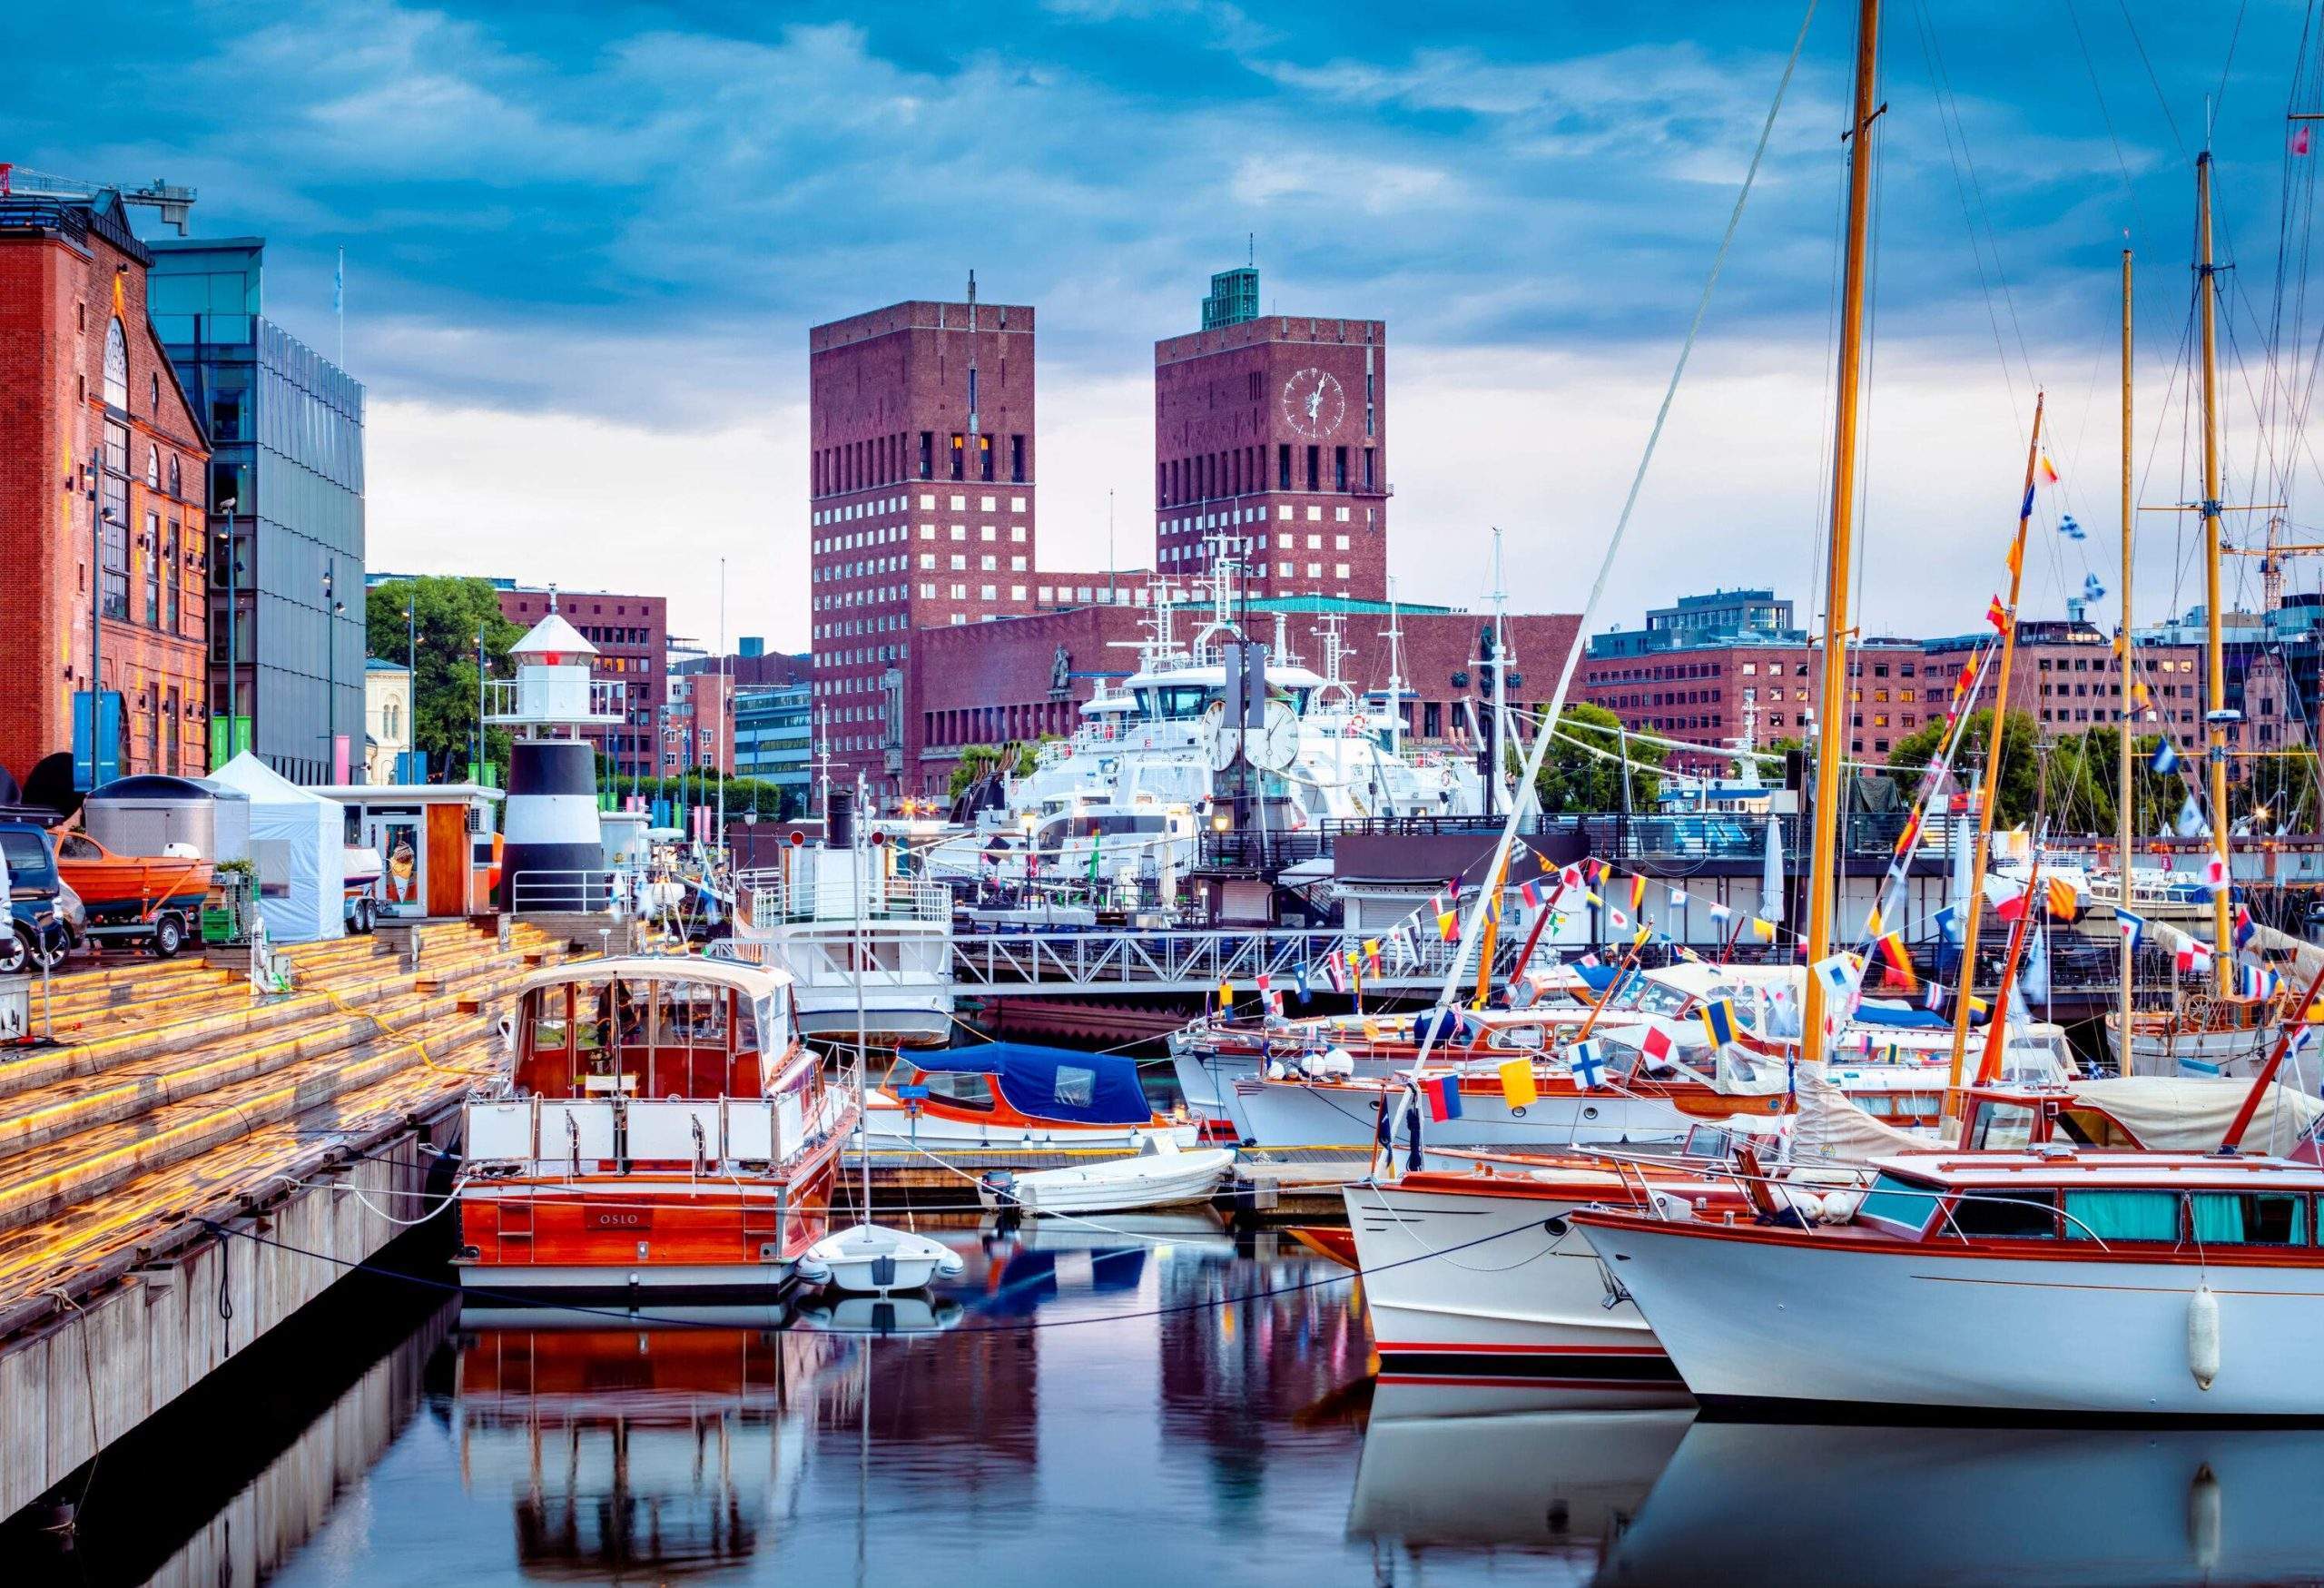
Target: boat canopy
<point>1052,1083</point>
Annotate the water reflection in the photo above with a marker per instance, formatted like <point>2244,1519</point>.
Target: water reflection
<point>1481,1468</point>
<point>1750,1504</point>
<point>669,1443</point>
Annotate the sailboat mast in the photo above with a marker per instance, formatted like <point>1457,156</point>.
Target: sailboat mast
<point>1831,758</point>
<point>2214,662</point>
<point>2126,796</point>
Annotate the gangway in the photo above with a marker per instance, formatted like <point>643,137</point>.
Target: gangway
<point>1052,964</point>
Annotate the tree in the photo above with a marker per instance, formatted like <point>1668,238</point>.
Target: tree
<point>1770,755</point>
<point>977,760</point>
<point>2020,780</point>
<point>1582,769</point>
<point>449,614</point>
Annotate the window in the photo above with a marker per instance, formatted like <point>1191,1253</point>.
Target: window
<point>959,457</point>
<point>170,544</point>
<point>2008,1215</point>
<point>2249,1218</point>
<point>150,544</point>
<point>1339,469</point>
<point>1899,1201</point>
<point>2111,1216</point>
<point>1283,466</point>
<point>116,366</point>
<point>1315,468</point>
<point>1017,460</point>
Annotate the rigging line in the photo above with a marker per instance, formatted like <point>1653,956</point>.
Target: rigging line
<point>2105,116</point>
<point>2233,38</point>
<point>2160,97</point>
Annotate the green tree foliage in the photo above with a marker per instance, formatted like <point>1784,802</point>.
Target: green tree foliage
<point>2156,796</point>
<point>450,613</point>
<point>976,760</point>
<point>1579,779</point>
<point>2281,783</point>
<point>2020,781</point>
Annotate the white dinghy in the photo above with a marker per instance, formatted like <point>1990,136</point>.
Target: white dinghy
<point>873,1259</point>
<point>1161,1176</point>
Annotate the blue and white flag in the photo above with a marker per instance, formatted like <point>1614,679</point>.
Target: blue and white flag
<point>1587,1062</point>
<point>2166,759</point>
<point>2133,927</point>
<point>1948,922</point>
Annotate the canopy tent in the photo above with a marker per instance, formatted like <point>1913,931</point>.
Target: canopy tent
<point>1053,1083</point>
<point>298,842</point>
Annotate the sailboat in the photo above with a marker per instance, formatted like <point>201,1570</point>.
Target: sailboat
<point>2060,1278</point>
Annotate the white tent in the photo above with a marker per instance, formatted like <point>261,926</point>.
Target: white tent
<point>298,844</point>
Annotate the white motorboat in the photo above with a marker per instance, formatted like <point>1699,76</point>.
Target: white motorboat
<point>874,1259</point>
<point>1159,1177</point>
<point>1012,1094</point>
<point>2055,1282</point>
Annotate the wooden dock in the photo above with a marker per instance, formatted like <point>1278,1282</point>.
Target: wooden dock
<point>176,1104</point>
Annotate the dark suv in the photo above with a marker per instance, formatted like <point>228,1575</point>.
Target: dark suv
<point>36,934</point>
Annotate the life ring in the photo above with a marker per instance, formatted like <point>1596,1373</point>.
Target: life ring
<point>1445,779</point>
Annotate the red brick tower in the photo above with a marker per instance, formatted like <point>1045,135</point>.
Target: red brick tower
<point>922,502</point>
<point>1273,431</point>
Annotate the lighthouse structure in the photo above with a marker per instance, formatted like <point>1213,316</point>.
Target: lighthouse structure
<point>553,854</point>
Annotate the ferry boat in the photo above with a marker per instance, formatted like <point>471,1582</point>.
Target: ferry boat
<point>2057,1281</point>
<point>835,907</point>
<point>661,1129</point>
<point>1017,1094</point>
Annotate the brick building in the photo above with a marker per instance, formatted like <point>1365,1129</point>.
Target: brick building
<point>922,508</point>
<point>1272,431</point>
<point>1710,668</point>
<point>632,636</point>
<point>105,471</point>
<point>2066,677</point>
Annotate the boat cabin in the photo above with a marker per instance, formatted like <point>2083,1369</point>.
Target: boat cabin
<point>2196,1202</point>
<point>652,1027</point>
<point>652,1059</point>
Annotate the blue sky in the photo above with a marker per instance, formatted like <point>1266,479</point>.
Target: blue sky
<point>584,243</point>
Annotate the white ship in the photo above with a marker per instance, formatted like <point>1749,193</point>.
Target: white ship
<point>1125,798</point>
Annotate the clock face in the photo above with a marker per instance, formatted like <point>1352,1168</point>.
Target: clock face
<point>1313,403</point>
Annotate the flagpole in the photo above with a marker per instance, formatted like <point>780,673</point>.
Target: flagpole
<point>1997,1022</point>
<point>2126,797</point>
<point>1989,796</point>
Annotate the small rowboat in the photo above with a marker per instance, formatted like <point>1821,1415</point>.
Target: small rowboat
<point>1158,1177</point>
<point>874,1259</point>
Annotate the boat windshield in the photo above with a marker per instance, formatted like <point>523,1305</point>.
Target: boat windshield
<point>1896,1200</point>
<point>2001,1126</point>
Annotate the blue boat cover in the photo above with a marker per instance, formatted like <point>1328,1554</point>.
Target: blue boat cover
<point>1053,1083</point>
<point>1903,1016</point>
<point>1598,977</point>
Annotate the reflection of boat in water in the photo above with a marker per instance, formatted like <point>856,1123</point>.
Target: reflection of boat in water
<point>1530,1470</point>
<point>1883,1505</point>
<point>662,1447</point>
<point>901,1314</point>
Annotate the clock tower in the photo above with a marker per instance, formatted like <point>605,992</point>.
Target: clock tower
<point>1272,430</point>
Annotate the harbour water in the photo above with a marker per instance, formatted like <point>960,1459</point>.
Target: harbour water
<point>1128,1405</point>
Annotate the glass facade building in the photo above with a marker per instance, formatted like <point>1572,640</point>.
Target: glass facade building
<point>286,525</point>
<point>773,734</point>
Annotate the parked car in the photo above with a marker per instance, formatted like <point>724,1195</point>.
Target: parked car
<point>37,933</point>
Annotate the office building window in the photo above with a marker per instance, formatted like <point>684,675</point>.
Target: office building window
<point>149,545</point>
<point>1315,467</point>
<point>1017,460</point>
<point>1339,469</point>
<point>959,454</point>
<point>1283,466</point>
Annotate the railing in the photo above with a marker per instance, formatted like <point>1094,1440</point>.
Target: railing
<point>1002,963</point>
<point>768,900</point>
<point>559,699</point>
<point>1682,835</point>
<point>1266,851</point>
<point>564,892</point>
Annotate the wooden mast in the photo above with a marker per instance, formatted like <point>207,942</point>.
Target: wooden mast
<point>1989,794</point>
<point>1832,751</point>
<point>2125,798</point>
<point>2214,668</point>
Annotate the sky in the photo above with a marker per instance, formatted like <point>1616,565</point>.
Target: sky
<point>584,243</point>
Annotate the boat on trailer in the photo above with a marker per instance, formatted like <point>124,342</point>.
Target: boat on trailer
<point>661,1129</point>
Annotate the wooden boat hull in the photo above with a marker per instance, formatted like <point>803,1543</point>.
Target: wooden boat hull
<point>935,1126</point>
<point>672,1236</point>
<point>1788,1320</point>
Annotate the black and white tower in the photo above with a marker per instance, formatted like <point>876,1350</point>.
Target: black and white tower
<point>554,854</point>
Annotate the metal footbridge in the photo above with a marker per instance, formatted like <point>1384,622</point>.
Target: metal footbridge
<point>1058,964</point>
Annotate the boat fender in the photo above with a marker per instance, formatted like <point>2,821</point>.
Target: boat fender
<point>2203,1336</point>
<point>1276,1071</point>
<point>1839,1206</point>
<point>1339,1063</point>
